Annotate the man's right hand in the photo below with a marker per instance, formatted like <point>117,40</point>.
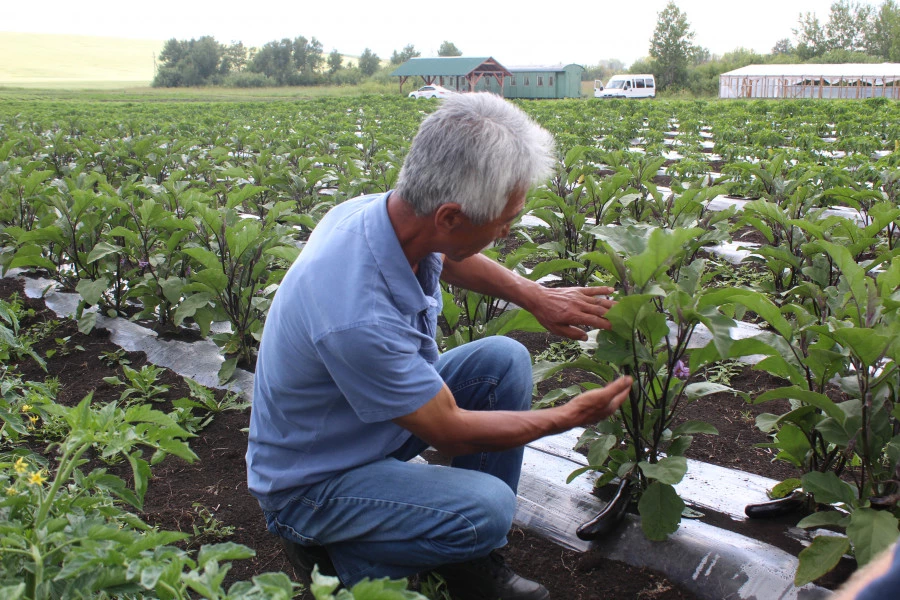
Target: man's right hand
<point>598,404</point>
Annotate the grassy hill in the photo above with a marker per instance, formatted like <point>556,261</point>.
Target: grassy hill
<point>75,61</point>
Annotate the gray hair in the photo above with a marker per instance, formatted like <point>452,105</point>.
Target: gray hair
<point>475,150</point>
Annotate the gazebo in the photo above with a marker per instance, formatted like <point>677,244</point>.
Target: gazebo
<point>850,80</point>
<point>452,72</point>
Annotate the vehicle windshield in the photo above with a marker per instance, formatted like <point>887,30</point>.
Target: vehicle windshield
<point>616,84</point>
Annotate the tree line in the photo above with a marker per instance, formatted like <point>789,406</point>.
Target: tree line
<point>854,32</point>
<point>301,61</point>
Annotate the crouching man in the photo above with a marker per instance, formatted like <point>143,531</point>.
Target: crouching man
<point>350,385</point>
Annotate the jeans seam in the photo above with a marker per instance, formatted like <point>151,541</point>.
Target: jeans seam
<point>492,404</point>
<point>476,381</point>
<point>403,505</point>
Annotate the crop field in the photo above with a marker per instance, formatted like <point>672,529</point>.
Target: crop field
<point>185,216</point>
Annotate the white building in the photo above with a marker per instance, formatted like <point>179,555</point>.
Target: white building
<point>851,80</point>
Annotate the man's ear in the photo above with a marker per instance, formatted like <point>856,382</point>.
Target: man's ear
<point>449,217</point>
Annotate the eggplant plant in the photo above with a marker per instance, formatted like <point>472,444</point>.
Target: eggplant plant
<point>786,228</point>
<point>151,239</point>
<point>836,346</point>
<point>468,316</point>
<point>661,303</point>
<point>573,202</point>
<point>775,179</point>
<point>241,261</point>
<point>24,187</point>
<point>639,190</point>
<point>13,345</point>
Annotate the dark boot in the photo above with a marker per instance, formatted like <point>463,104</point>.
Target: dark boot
<point>303,558</point>
<point>489,578</point>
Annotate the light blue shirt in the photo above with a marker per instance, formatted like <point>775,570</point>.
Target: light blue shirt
<point>348,345</point>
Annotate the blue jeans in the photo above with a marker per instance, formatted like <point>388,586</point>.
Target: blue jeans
<point>392,518</point>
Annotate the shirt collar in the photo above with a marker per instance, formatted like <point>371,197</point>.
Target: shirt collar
<point>402,283</point>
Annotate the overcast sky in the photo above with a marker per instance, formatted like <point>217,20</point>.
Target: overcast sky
<point>514,32</point>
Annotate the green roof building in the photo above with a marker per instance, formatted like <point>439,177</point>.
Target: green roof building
<point>466,74</point>
<point>542,81</point>
<point>460,73</point>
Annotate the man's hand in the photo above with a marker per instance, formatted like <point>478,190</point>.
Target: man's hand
<point>565,311</point>
<point>595,405</point>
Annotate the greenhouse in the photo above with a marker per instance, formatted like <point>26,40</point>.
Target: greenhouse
<point>848,81</point>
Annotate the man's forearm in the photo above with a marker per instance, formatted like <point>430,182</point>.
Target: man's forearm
<point>454,431</point>
<point>483,275</point>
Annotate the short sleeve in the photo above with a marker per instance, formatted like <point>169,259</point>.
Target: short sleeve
<point>886,586</point>
<point>380,369</point>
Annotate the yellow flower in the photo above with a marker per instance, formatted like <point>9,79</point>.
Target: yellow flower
<point>26,407</point>
<point>20,465</point>
<point>33,419</point>
<point>11,491</point>
<point>37,478</point>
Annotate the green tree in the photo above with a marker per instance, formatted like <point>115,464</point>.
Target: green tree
<point>308,56</point>
<point>700,55</point>
<point>846,26</point>
<point>290,62</point>
<point>603,70</point>
<point>703,78</point>
<point>206,56</point>
<point>408,52</point>
<point>811,40</point>
<point>335,62</point>
<point>173,52</point>
<point>672,46</point>
<point>783,46</point>
<point>275,61</point>
<point>190,63</point>
<point>449,49</point>
<point>882,37</point>
<point>840,57</point>
<point>369,62</point>
<point>237,56</point>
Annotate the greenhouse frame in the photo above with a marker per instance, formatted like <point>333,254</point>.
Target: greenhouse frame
<point>848,81</point>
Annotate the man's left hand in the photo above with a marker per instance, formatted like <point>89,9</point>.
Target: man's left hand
<point>567,311</point>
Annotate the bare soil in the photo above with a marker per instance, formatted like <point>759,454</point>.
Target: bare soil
<point>179,492</point>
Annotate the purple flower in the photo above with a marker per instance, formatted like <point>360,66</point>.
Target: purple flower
<point>143,263</point>
<point>680,370</point>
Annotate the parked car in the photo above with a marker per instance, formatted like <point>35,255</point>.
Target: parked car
<point>431,91</point>
<point>626,86</point>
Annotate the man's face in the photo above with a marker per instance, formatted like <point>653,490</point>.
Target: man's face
<point>472,239</point>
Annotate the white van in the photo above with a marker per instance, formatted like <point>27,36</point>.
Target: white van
<point>626,86</point>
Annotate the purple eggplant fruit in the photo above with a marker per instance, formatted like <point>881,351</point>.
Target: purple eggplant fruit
<point>776,508</point>
<point>608,518</point>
